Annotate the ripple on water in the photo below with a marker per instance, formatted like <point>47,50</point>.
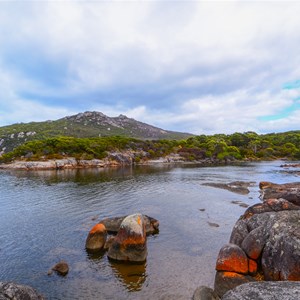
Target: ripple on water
<point>45,217</point>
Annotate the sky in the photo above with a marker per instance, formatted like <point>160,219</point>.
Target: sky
<point>202,67</point>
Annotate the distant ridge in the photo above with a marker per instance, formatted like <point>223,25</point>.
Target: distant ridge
<point>86,124</point>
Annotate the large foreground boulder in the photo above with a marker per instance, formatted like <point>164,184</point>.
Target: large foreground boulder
<point>130,242</point>
<point>14,291</point>
<point>283,290</point>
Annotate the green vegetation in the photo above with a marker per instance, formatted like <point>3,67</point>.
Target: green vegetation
<point>236,146</point>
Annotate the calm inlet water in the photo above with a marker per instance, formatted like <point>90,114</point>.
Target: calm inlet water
<point>45,217</point>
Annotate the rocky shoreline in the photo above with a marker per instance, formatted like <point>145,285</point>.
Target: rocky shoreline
<point>114,159</point>
<point>262,258</point>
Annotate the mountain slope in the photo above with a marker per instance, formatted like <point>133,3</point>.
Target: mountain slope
<point>87,124</point>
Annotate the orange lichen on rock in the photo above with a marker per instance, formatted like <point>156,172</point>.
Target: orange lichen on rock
<point>233,259</point>
<point>96,238</point>
<point>98,228</point>
<point>265,184</point>
<point>252,266</point>
<point>232,275</point>
<point>130,244</point>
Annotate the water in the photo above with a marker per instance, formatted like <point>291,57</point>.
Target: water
<point>45,217</point>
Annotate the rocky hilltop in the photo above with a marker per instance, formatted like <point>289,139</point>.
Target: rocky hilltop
<point>87,124</point>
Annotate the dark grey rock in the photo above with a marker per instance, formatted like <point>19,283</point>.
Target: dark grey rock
<point>14,291</point>
<point>279,290</point>
<point>239,232</point>
<point>281,254</point>
<point>255,241</point>
<point>239,187</point>
<point>205,293</point>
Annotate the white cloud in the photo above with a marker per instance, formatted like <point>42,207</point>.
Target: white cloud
<point>224,62</point>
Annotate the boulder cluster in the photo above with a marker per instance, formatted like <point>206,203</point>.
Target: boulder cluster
<point>264,245</point>
<point>130,242</point>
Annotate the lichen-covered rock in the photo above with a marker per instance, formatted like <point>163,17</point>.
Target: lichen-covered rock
<point>96,238</point>
<point>239,232</point>
<point>14,291</point>
<point>287,191</point>
<point>113,224</point>
<point>252,267</point>
<point>205,293</point>
<point>130,241</point>
<point>270,205</point>
<point>281,254</point>
<point>254,242</point>
<point>232,258</point>
<point>225,281</point>
<point>283,290</point>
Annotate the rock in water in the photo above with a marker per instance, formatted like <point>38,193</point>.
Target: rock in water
<point>96,238</point>
<point>61,268</point>
<point>112,225</point>
<point>10,290</point>
<point>130,242</point>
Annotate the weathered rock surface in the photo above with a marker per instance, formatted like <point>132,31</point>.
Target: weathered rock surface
<point>14,291</point>
<point>112,225</point>
<point>205,293</point>
<point>232,258</point>
<point>268,234</point>
<point>287,191</point>
<point>283,290</point>
<point>96,238</point>
<point>239,187</point>
<point>273,241</point>
<point>130,241</point>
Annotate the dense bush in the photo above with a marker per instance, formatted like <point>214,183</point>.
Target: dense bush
<point>218,146</point>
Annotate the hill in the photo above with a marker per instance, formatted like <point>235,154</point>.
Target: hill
<point>82,125</point>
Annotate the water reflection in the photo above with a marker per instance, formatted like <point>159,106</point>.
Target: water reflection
<point>132,276</point>
<point>89,175</point>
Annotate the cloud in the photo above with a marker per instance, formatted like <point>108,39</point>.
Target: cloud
<point>189,66</point>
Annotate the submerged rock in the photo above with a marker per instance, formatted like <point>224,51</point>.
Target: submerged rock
<point>14,291</point>
<point>130,242</point>
<point>96,238</point>
<point>283,290</point>
<point>239,187</point>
